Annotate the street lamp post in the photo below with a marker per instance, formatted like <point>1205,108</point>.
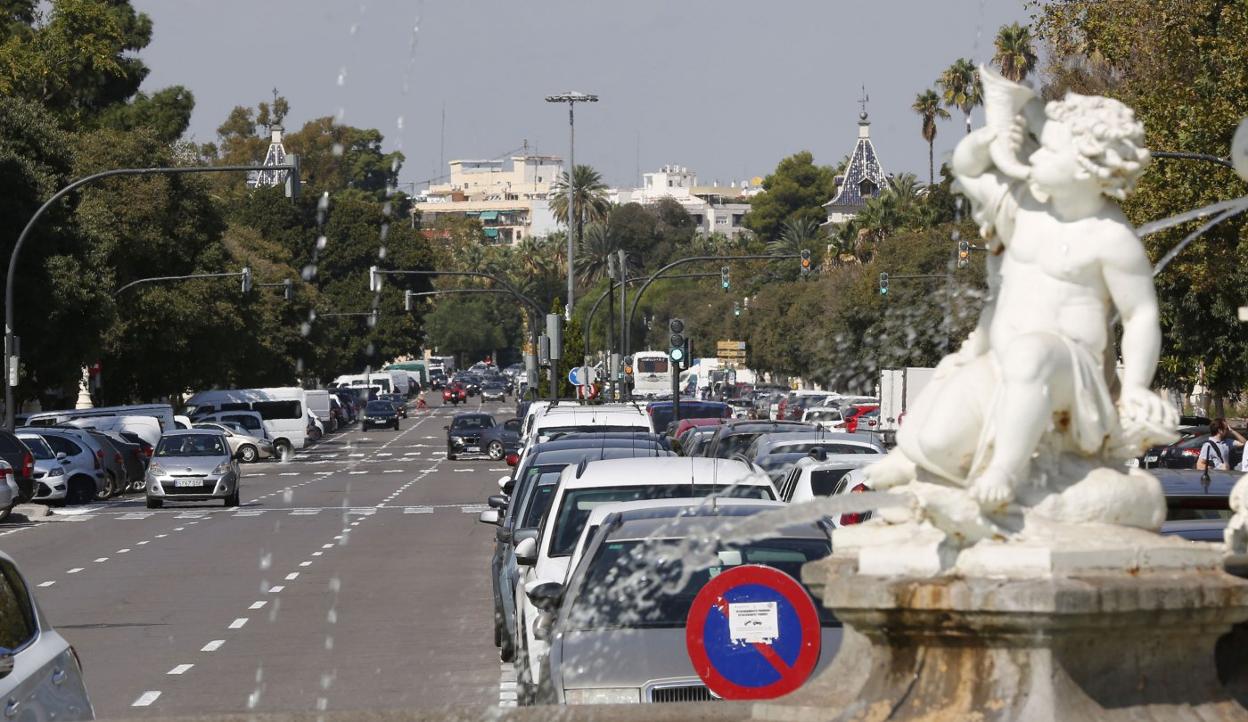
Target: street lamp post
<point>10,356</point>
<point>571,98</point>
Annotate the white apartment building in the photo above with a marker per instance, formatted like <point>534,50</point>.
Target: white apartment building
<point>510,198</point>
<point>714,208</point>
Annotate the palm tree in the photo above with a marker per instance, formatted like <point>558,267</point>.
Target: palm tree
<point>797,235</point>
<point>1015,56</point>
<point>927,105</point>
<point>907,189</point>
<point>590,197</point>
<point>597,245</point>
<point>959,84</point>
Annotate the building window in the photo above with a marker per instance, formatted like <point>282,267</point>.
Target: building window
<point>866,188</point>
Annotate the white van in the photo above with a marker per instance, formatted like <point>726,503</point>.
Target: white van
<point>284,411</point>
<point>381,380</point>
<point>318,404</point>
<point>145,427</point>
<point>163,413</point>
<point>652,374</point>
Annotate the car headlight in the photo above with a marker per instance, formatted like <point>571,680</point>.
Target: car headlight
<point>457,439</point>
<point>156,469</point>
<point>56,471</point>
<point>603,695</point>
<point>221,468</point>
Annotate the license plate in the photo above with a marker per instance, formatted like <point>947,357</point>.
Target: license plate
<point>1150,459</point>
<point>188,482</point>
<point>473,448</point>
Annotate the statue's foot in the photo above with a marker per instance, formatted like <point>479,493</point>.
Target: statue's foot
<point>893,470</point>
<point>993,489</point>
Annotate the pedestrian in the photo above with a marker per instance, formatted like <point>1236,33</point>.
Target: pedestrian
<point>1216,452</point>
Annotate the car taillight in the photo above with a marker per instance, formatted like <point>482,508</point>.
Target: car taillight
<point>148,451</point>
<point>856,518</point>
<point>118,460</point>
<point>28,465</point>
<point>1190,452</point>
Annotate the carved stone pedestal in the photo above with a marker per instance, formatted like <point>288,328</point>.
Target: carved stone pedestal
<point>1112,646</point>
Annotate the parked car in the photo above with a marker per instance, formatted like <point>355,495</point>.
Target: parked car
<point>9,493</point>
<point>662,412</point>
<point>193,465</point>
<point>638,552</point>
<point>51,482</point>
<point>501,439</point>
<point>463,434</point>
<point>1183,453</point>
<point>400,404</point>
<point>40,674</point>
<point>19,457</point>
<point>85,469</point>
<point>1197,505</point>
<point>735,437</point>
<point>247,448</point>
<point>380,413</point>
<point>437,379</point>
<point>578,490</point>
<point>132,457</point>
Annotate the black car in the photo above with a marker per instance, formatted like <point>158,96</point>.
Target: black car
<point>463,436</point>
<point>19,457</point>
<point>437,379</point>
<point>735,437</point>
<point>1183,454</point>
<point>380,413</point>
<point>501,439</point>
<point>400,404</point>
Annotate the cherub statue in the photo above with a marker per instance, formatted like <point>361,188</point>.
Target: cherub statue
<point>1031,402</point>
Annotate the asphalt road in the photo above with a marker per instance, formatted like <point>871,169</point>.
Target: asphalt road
<point>354,576</point>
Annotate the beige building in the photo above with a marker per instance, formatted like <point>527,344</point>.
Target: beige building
<point>510,198</point>
<point>714,208</point>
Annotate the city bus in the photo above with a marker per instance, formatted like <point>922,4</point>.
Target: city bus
<point>652,374</point>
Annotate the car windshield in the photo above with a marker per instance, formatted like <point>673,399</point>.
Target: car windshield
<point>576,505</point>
<point>379,407</point>
<point>468,423</point>
<point>623,572</point>
<point>191,445</point>
<point>548,433</point>
<point>38,447</point>
<point>652,365</point>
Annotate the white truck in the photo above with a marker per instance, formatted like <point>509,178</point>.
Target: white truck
<point>898,390</point>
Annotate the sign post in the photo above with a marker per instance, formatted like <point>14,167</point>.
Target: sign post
<point>753,633</point>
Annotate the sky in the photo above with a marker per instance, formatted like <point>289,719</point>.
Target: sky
<point>725,87</point>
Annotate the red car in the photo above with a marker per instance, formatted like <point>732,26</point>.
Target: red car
<point>866,416</point>
<point>454,394</point>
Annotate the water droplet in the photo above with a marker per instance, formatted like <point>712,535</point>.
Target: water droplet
<point>399,123</point>
<point>259,673</point>
<point>305,329</point>
<point>335,584</point>
<point>321,242</point>
<point>287,495</point>
<point>342,77</point>
<point>338,150</point>
<point>381,253</point>
<point>266,561</point>
<point>370,349</point>
<point>332,616</point>
<point>329,642</point>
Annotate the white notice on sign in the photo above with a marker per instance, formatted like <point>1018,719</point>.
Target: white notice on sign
<point>753,622</point>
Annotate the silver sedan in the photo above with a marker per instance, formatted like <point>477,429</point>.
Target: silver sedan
<point>192,465</point>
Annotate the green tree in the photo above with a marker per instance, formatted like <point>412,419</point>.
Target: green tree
<point>927,105</point>
<point>589,194</point>
<point>598,245</point>
<point>959,84</point>
<point>1014,54</point>
<point>796,190</point>
<point>167,113</point>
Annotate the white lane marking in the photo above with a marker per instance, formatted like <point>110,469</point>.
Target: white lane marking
<point>238,623</point>
<point>317,554</point>
<point>356,456</point>
<point>289,473</point>
<point>134,515</point>
<point>384,453</point>
<point>47,584</point>
<point>292,576</point>
<point>418,510</point>
<point>180,669</point>
<point>123,551</point>
<point>305,564</point>
<point>161,536</point>
<point>276,588</point>
<point>258,605</point>
<point>464,471</point>
<point>499,468</point>
<point>75,570</point>
<point>101,560</point>
<point>142,543</point>
<point>474,508</point>
<point>213,646</point>
<point>356,473</point>
<point>146,699</point>
<point>327,546</point>
<point>392,471</point>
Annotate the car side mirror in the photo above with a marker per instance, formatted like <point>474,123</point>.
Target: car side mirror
<point>526,552</point>
<point>502,484</point>
<point>446,428</point>
<point>498,501</point>
<point>6,662</point>
<point>546,596</point>
<point>490,516</point>
<point>501,535</point>
<point>61,456</point>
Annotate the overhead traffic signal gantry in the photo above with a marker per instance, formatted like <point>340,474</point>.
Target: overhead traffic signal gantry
<point>677,340</point>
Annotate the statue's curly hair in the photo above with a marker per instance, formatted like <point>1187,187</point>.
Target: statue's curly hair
<point>1108,138</point>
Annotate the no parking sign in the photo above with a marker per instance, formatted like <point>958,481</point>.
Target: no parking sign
<point>753,633</point>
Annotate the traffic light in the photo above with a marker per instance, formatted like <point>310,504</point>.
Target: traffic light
<point>677,339</point>
<point>374,279</point>
<point>288,289</point>
<point>736,309</point>
<point>246,274</point>
<point>805,261</point>
<point>723,277</point>
<point>883,284</point>
<point>964,254</point>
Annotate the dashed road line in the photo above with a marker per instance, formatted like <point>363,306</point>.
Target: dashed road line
<point>146,699</point>
<point>213,646</point>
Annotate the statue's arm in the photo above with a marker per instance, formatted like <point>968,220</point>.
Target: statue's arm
<point>1129,278</point>
<point>992,205</point>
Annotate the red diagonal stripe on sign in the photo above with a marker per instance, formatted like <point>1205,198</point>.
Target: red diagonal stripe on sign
<point>772,658</point>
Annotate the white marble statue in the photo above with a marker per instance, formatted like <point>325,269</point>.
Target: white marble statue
<point>1036,414</point>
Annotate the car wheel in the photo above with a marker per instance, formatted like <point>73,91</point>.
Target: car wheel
<point>155,503</point>
<point>81,490</point>
<point>248,453</point>
<point>495,450</point>
<point>396,425</point>
<point>232,499</point>
<point>450,454</point>
<point>524,678</point>
<point>284,450</point>
<point>110,487</point>
<point>4,513</point>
